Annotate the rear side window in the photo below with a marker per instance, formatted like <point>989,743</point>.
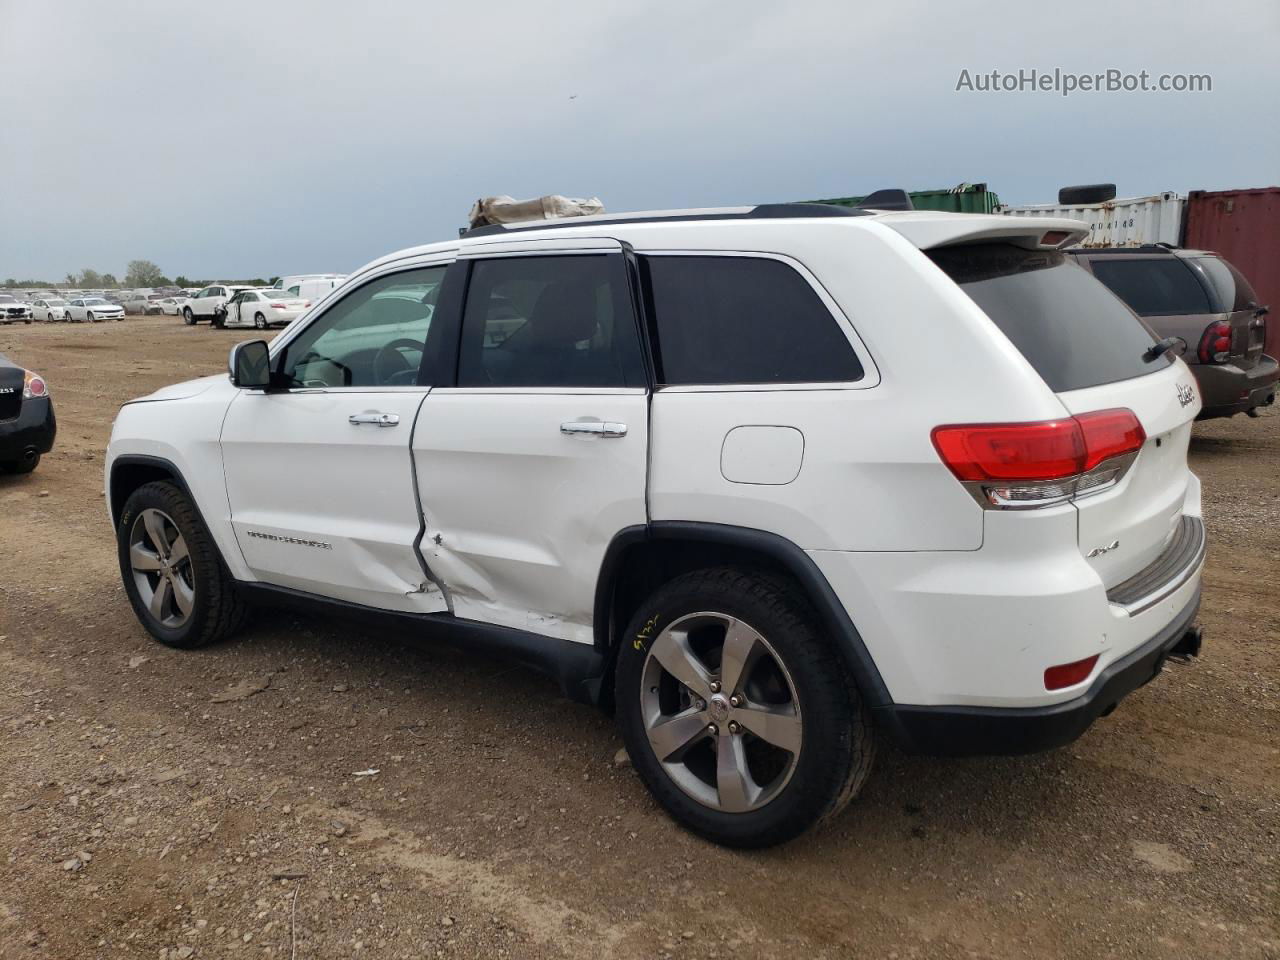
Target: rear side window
<point>1233,290</point>
<point>550,321</point>
<point>1154,287</point>
<point>743,320</point>
<point>1068,326</point>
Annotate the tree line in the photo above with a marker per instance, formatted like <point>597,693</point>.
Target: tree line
<point>139,273</point>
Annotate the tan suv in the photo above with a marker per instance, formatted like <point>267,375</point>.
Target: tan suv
<point>1205,302</point>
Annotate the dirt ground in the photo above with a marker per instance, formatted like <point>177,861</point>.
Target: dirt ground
<point>155,803</point>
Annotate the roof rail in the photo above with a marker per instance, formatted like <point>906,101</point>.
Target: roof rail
<point>763,211</point>
<point>893,199</point>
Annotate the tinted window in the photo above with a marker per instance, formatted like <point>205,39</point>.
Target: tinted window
<point>562,321</point>
<point>743,320</point>
<point>1154,287</point>
<point>1067,325</point>
<point>1233,290</point>
<point>374,336</point>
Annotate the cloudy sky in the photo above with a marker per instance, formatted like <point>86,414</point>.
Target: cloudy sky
<point>281,136</point>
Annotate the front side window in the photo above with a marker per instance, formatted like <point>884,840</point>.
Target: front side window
<point>1153,287</point>
<point>550,321</point>
<point>375,336</point>
<point>743,320</point>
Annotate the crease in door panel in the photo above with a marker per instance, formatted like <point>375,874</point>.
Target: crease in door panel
<point>422,517</point>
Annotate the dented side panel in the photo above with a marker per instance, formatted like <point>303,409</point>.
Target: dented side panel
<point>518,513</point>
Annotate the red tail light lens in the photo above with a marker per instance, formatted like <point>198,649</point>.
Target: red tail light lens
<point>1069,674</point>
<point>278,306</point>
<point>33,385</point>
<point>1037,464</point>
<point>1215,342</point>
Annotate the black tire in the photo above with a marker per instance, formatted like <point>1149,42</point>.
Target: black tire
<point>836,748</point>
<point>260,321</point>
<point>217,611</point>
<point>1087,193</point>
<point>188,317</point>
<point>20,466</point>
<point>91,317</point>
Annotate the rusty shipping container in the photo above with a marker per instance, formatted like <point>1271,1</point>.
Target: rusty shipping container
<point>1243,226</point>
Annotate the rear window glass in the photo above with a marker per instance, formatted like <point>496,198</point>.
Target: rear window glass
<point>1234,291</point>
<point>1154,288</point>
<point>743,320</point>
<point>1068,326</point>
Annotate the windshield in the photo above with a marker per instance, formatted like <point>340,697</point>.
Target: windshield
<point>56,303</point>
<point>89,301</point>
<point>5,298</point>
<point>1068,325</point>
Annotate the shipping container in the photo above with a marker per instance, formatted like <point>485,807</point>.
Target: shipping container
<point>1244,227</point>
<point>966,198</point>
<point>1125,222</point>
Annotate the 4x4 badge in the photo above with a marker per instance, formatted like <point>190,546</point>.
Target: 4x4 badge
<point>1186,394</point>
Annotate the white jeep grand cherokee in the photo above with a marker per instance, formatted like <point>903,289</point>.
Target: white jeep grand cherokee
<point>768,482</point>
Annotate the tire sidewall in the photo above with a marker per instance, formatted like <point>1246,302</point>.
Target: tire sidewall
<point>175,504</point>
<point>827,710</point>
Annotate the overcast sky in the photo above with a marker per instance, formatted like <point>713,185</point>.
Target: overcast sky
<point>286,136</point>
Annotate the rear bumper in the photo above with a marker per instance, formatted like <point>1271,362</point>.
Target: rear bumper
<point>32,430</point>
<point>1228,389</point>
<point>965,731</point>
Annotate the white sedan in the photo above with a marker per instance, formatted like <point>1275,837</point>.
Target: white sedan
<point>261,309</point>
<point>93,309</point>
<point>172,306</point>
<point>48,310</point>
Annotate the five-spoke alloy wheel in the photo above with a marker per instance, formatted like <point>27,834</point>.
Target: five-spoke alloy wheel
<point>737,711</point>
<point>175,580</point>
<point>161,567</point>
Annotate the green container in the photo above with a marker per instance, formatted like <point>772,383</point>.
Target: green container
<point>966,198</point>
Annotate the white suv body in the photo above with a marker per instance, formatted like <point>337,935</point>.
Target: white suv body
<point>526,439</point>
<point>210,303</point>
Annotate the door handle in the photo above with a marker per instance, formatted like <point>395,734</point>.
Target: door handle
<point>377,419</point>
<point>593,428</point>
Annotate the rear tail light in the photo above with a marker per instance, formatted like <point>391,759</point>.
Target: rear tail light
<point>33,386</point>
<point>278,306</point>
<point>1215,342</point>
<point>1020,465</point>
<point>1069,674</point>
<point>306,305</point>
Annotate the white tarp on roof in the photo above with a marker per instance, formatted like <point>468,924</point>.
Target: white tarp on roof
<point>488,210</point>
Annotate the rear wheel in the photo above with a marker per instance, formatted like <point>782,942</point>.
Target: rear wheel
<point>736,712</point>
<point>172,574</point>
<point>20,466</point>
<point>260,321</point>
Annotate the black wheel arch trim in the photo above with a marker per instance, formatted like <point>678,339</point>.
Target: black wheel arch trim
<point>156,463</point>
<point>832,613</point>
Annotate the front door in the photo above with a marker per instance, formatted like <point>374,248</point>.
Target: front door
<point>539,454</point>
<point>319,475</point>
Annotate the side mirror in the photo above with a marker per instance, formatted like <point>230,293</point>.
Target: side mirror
<point>250,365</point>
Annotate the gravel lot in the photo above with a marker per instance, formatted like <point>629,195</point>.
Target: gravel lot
<point>156,803</point>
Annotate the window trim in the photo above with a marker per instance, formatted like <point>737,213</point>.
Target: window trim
<point>870,371</point>
<point>279,345</point>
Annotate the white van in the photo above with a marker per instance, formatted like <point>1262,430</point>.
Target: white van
<point>313,288</point>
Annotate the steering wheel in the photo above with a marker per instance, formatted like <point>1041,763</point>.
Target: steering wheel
<point>383,357</point>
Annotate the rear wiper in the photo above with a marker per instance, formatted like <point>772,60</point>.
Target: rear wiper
<point>1157,350</point>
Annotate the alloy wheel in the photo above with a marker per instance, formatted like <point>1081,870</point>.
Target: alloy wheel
<point>721,712</point>
<point>161,566</point>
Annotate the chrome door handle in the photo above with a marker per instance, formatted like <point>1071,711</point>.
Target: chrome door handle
<point>593,428</point>
<point>377,419</point>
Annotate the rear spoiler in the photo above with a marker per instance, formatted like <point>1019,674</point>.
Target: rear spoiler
<point>927,230</point>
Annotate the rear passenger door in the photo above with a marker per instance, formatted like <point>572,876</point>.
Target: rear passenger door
<point>537,456</point>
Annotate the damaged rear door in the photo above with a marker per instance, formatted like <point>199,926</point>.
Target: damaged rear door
<point>530,464</point>
<point>319,472</point>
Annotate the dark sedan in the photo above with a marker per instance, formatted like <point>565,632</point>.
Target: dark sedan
<point>27,425</point>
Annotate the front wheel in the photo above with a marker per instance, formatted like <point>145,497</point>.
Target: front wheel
<point>92,318</point>
<point>188,317</point>
<point>172,574</point>
<point>736,711</point>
